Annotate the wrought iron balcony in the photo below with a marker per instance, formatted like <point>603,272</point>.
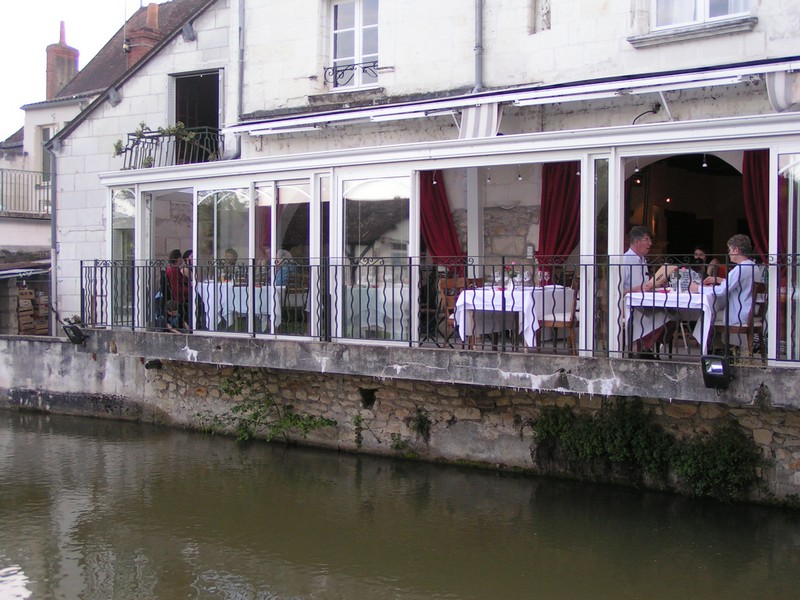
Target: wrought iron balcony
<point>343,75</point>
<point>554,305</point>
<point>24,193</point>
<point>176,145</point>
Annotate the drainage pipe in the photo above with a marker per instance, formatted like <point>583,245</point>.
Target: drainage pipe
<point>238,29</point>
<point>53,230</point>
<point>478,46</point>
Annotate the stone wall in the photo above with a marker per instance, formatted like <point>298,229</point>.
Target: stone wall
<point>468,424</point>
<point>506,232</point>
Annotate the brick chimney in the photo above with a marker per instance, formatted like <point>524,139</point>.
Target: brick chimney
<point>141,41</point>
<point>62,65</point>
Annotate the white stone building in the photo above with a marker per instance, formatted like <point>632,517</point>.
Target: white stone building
<point>334,113</point>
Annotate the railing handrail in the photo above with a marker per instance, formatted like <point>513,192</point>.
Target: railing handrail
<point>156,148</point>
<point>389,298</point>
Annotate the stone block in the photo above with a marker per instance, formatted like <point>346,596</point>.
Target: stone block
<point>468,414</point>
<point>680,410</point>
<point>762,437</point>
<point>750,422</point>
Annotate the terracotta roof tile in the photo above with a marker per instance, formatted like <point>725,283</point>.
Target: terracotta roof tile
<point>111,62</point>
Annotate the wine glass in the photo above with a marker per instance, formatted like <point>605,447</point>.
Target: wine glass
<point>546,276</point>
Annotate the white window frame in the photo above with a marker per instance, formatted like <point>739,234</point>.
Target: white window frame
<point>702,9</point>
<point>359,56</point>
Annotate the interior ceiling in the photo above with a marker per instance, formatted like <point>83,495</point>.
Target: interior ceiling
<point>694,163</point>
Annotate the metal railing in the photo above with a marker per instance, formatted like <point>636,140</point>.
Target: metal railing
<point>552,305</point>
<point>343,75</point>
<point>25,193</point>
<point>146,148</point>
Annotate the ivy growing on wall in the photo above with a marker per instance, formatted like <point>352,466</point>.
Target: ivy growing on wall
<point>257,413</point>
<point>721,465</point>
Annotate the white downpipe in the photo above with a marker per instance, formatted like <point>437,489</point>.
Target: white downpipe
<point>234,151</point>
<point>478,46</point>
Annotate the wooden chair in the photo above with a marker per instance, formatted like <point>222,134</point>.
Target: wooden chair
<point>754,325</point>
<point>429,305</point>
<point>449,288</point>
<point>294,302</point>
<point>567,320</point>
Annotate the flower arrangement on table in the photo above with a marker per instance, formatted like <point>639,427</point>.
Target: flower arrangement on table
<point>511,270</point>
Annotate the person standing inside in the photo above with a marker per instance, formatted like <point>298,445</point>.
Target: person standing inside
<point>178,285</point>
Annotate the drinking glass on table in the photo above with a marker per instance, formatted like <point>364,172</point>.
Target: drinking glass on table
<point>546,276</point>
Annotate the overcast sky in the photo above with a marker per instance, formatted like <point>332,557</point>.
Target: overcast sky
<point>27,27</point>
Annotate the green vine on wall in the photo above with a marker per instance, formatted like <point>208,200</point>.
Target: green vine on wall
<point>420,424</point>
<point>722,465</point>
<point>257,413</point>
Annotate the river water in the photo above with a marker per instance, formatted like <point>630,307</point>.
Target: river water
<point>101,509</point>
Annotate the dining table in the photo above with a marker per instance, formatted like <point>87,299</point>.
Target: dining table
<point>669,305</point>
<point>377,309</point>
<point>492,309</point>
<point>226,299</point>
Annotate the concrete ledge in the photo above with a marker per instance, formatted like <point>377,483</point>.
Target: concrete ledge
<point>666,380</point>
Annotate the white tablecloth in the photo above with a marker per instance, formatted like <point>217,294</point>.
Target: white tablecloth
<point>381,308</point>
<point>224,299</point>
<point>489,309</point>
<point>661,306</point>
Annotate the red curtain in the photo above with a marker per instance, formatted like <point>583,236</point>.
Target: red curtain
<point>755,183</point>
<point>559,225</point>
<point>438,231</point>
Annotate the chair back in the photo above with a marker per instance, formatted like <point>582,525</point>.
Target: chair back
<point>759,305</point>
<point>449,289</point>
<point>576,305</point>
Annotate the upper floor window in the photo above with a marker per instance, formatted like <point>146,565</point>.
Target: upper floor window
<point>47,133</point>
<point>355,44</point>
<point>673,13</point>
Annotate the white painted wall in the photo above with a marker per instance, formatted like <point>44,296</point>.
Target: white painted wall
<point>24,234</point>
<point>429,46</point>
<point>425,47</point>
<point>82,203</point>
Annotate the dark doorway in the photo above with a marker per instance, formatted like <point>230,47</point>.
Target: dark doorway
<point>686,200</point>
<point>197,107</point>
<point>685,232</point>
<point>197,100</point>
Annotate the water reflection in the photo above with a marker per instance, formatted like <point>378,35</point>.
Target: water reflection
<point>98,509</point>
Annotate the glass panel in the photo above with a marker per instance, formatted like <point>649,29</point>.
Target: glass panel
<point>46,133</point>
<point>222,224</point>
<point>320,298</point>
<point>376,292</point>
<point>601,279</point>
<point>123,207</point>
<point>788,260</point>
<point>370,42</point>
<point>344,45</point>
<point>123,213</point>
<point>264,203</point>
<point>370,9</point>
<point>721,8</point>
<point>291,259</point>
<point>675,12</point>
<point>344,15</point>
<point>222,294</point>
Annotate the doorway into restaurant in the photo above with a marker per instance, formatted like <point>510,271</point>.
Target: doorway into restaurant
<point>687,200</point>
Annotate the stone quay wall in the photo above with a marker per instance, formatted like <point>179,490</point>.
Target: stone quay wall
<point>476,425</point>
